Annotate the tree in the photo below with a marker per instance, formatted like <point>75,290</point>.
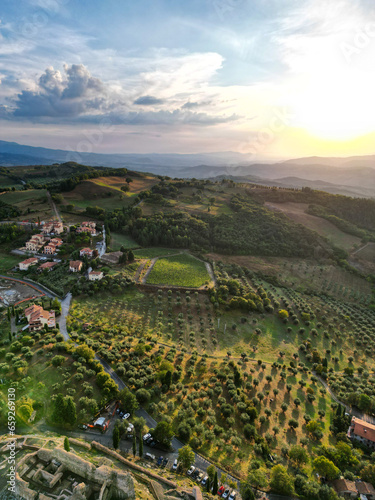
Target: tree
<point>116,437</point>
<point>134,445</point>
<point>298,455</point>
<point>140,448</point>
<point>186,456</point>
<point>211,469</point>
<point>283,314</point>
<point>70,412</point>
<point>368,473</point>
<point>129,401</point>
<point>281,481</point>
<point>66,444</point>
<point>125,188</point>
<point>58,414</point>
<point>326,468</point>
<point>246,492</point>
<point>257,478</point>
<point>216,483</point>
<point>130,256</point>
<point>163,433</point>
<point>84,351</point>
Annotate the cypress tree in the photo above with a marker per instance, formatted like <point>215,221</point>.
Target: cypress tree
<point>140,450</point>
<point>66,444</point>
<point>134,445</point>
<point>116,437</point>
<point>58,414</point>
<point>216,484</point>
<point>70,411</point>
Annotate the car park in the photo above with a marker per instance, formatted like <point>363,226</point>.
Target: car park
<point>204,481</point>
<point>149,456</point>
<point>226,493</point>
<point>220,491</point>
<point>233,495</point>
<point>175,465</point>
<point>146,436</point>
<point>159,461</point>
<point>191,470</point>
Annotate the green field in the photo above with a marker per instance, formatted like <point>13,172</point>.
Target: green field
<point>8,261</point>
<point>119,240</point>
<point>151,253</point>
<point>179,270</point>
<point>15,197</point>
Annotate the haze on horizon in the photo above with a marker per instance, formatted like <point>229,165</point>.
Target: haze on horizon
<point>270,78</point>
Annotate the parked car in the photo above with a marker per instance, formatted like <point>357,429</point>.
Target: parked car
<point>191,470</point>
<point>165,462</point>
<point>200,477</point>
<point>146,436</point>
<point>83,427</point>
<point>233,495</point>
<point>126,416</point>
<point>195,474</point>
<point>175,465</point>
<point>152,444</point>
<point>226,493</point>
<point>221,490</point>
<point>149,456</point>
<point>149,440</point>
<point>159,461</point>
<point>204,481</point>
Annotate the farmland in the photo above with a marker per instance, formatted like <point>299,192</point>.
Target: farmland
<point>120,240</point>
<point>179,270</point>
<point>296,211</point>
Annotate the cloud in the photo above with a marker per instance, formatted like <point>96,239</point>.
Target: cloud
<point>148,100</point>
<point>193,105</point>
<point>59,95</point>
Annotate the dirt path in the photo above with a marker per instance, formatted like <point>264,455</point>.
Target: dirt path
<point>153,261</point>
<point>359,249</point>
<point>54,208</point>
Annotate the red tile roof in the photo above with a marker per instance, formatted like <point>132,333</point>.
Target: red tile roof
<point>365,488</point>
<point>343,485</point>
<point>363,429</point>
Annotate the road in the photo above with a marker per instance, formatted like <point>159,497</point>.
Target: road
<point>65,306</point>
<point>101,245</point>
<point>53,205</point>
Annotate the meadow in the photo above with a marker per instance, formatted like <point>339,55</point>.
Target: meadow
<point>121,240</point>
<point>179,270</point>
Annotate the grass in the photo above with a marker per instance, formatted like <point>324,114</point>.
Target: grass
<point>151,253</point>
<point>8,261</point>
<point>179,270</point>
<point>17,197</point>
<point>119,240</point>
<point>296,211</point>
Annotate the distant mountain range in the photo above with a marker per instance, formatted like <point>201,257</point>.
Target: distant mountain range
<point>352,176</point>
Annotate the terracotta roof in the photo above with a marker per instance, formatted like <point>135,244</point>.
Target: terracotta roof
<point>29,261</point>
<point>86,250</point>
<point>363,429</point>
<point>47,265</point>
<point>75,264</point>
<point>365,488</point>
<point>96,273</point>
<point>343,485</point>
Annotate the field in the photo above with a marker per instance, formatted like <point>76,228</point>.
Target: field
<point>296,211</point>
<point>306,275</point>
<point>8,261</point>
<point>151,253</point>
<point>367,252</point>
<point>105,192</point>
<point>179,270</point>
<point>33,203</point>
<point>120,240</point>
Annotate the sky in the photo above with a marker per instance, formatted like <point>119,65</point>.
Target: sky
<point>271,79</point>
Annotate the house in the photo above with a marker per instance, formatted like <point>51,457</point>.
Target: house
<point>86,251</point>
<point>57,242</point>
<point>86,229</point>
<point>89,224</point>
<point>54,227</point>
<point>47,265</point>
<point>37,317</point>
<point>366,489</point>
<point>362,431</point>
<point>25,264</point>
<point>75,266</point>
<point>345,488</point>
<point>95,275</point>
<point>50,249</point>
<point>35,243</point>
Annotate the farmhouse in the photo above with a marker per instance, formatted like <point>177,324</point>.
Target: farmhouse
<point>49,249</point>
<point>47,265</point>
<point>95,275</point>
<point>57,242</point>
<point>366,489</point>
<point>25,264</point>
<point>75,266</point>
<point>345,488</point>
<point>37,317</point>
<point>362,431</point>
<point>87,227</point>
<point>54,227</point>
<point>86,251</point>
